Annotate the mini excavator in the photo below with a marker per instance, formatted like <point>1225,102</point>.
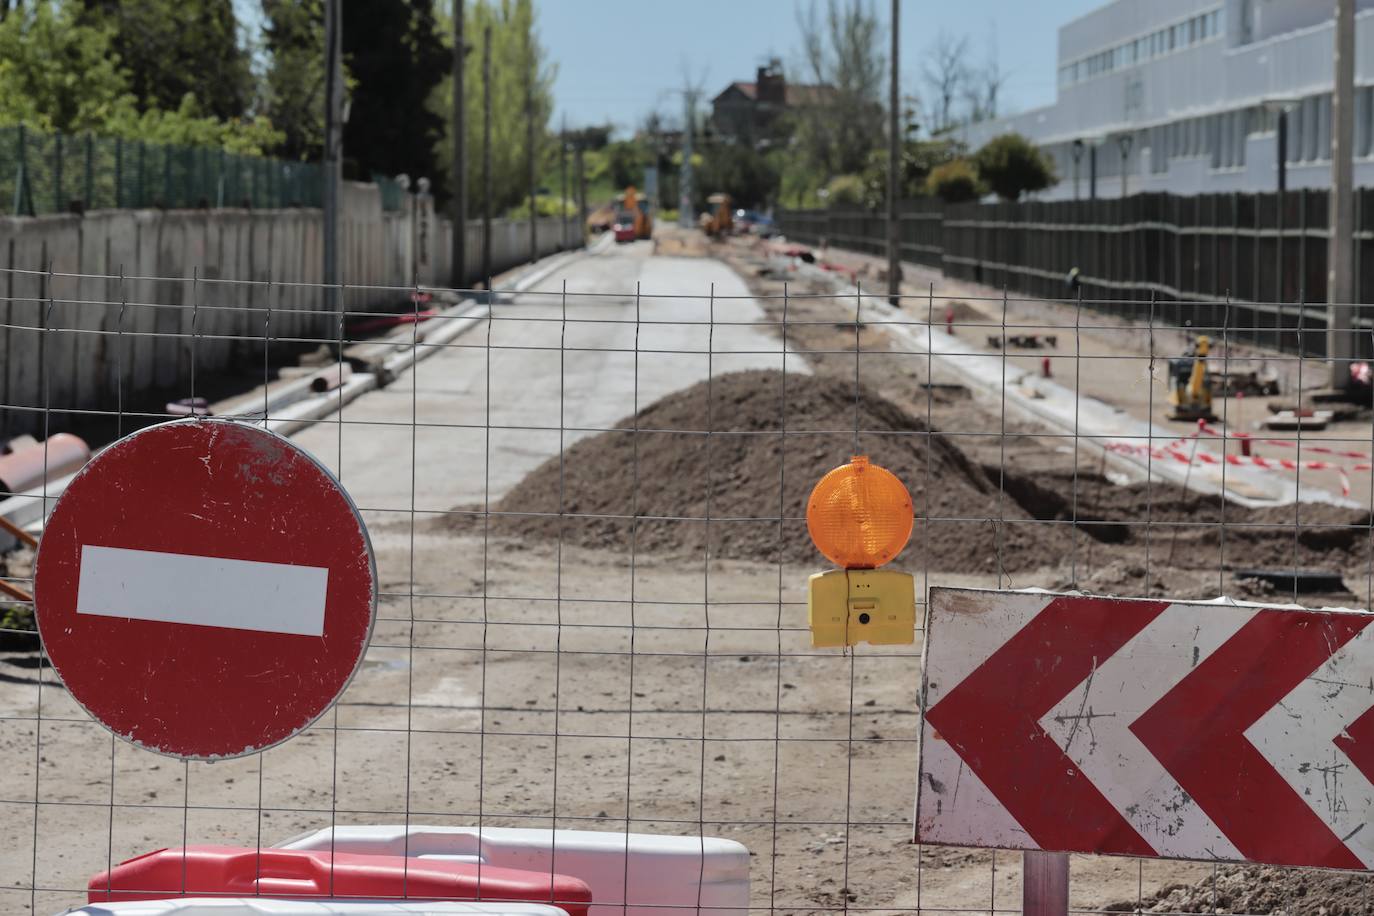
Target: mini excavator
<point>1190,392</point>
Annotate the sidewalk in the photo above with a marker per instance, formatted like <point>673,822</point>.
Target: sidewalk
<point>1124,365</point>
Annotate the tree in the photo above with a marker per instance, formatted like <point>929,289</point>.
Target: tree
<point>946,72</point>
<point>293,86</point>
<point>841,119</point>
<point>396,57</point>
<point>846,190</point>
<point>738,170</point>
<point>916,159</point>
<point>58,72</point>
<point>517,58</point>
<point>954,182</point>
<point>985,83</point>
<point>1011,165</point>
<point>172,47</point>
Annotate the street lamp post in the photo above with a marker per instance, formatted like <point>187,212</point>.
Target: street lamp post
<point>1077,157</point>
<point>1281,106</point>
<point>1124,142</point>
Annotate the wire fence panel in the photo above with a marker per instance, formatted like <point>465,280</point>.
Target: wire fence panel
<point>586,495</point>
<point>42,173</point>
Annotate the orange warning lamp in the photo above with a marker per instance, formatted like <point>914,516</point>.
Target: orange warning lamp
<point>860,516</point>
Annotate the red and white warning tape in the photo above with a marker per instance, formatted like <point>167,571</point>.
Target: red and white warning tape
<point>1209,430</point>
<point>1173,451</point>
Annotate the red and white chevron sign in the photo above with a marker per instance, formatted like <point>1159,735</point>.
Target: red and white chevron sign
<point>1148,728</point>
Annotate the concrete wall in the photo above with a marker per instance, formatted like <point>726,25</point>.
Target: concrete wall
<point>150,282</point>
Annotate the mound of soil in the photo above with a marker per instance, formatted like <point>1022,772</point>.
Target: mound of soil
<point>747,450</point>
<point>1263,891</point>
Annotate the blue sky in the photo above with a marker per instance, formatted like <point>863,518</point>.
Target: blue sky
<point>618,59</point>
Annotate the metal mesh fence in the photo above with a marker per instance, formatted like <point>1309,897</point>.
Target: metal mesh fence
<point>43,173</point>
<point>586,496</point>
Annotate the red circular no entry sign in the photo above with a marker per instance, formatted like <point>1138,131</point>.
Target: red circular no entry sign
<point>205,589</point>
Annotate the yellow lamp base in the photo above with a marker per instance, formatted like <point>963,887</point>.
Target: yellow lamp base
<point>849,606</point>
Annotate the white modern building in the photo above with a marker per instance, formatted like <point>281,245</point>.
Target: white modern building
<point>1184,96</point>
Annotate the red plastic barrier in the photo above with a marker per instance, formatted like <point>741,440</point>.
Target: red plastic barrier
<point>232,871</point>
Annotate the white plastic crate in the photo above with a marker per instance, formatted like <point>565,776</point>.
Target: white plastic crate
<point>634,874</point>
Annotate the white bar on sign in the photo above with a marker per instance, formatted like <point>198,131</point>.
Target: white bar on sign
<point>202,591</point>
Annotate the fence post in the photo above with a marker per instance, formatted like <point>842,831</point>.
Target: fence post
<point>57,174</point>
<point>1044,883</point>
<point>88,201</point>
<point>23,196</point>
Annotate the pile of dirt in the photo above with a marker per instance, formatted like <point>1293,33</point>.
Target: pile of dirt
<point>1265,891</point>
<point>662,468</point>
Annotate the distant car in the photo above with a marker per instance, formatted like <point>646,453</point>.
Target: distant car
<point>753,222</point>
<point>624,228</point>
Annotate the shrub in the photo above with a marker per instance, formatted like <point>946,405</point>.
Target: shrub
<point>954,182</point>
<point>846,189</point>
<point>1011,165</point>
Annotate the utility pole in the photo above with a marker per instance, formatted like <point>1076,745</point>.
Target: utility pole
<point>460,152</point>
<point>529,147</point>
<point>581,199</point>
<point>563,180</point>
<point>684,203</point>
<point>486,157</point>
<point>894,252</point>
<point>1340,282</point>
<point>333,147</point>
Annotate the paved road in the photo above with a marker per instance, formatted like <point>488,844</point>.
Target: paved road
<point>441,411</point>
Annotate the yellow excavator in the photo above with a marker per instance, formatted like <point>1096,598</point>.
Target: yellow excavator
<point>719,222</point>
<point>1190,392</point>
<point>639,208</point>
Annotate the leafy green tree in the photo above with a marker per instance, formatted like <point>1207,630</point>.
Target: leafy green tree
<point>1011,165</point>
<point>172,47</point>
<point>517,60</point>
<point>58,72</point>
<point>954,182</point>
<point>738,170</point>
<point>845,190</point>
<point>840,121</point>
<point>916,159</point>
<point>625,161</point>
<point>187,125</point>
<point>44,46</point>
<point>293,86</point>
<point>396,57</point>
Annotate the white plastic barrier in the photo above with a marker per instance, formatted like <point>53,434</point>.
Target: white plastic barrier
<point>634,874</point>
<point>266,906</point>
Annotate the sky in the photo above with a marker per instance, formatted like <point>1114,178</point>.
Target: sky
<point>619,59</point>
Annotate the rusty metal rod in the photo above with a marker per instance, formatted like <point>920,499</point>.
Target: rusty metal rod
<point>19,534</point>
<point>15,591</point>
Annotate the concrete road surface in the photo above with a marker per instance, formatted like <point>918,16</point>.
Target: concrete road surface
<point>445,415</point>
